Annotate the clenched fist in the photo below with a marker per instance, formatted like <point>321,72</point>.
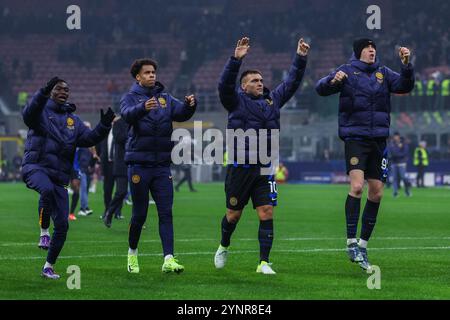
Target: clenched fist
<point>151,104</point>
<point>190,100</point>
<point>338,78</point>
<point>302,48</point>
<point>50,85</point>
<point>107,118</point>
<point>404,54</point>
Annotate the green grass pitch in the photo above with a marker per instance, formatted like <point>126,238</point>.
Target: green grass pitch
<point>410,244</point>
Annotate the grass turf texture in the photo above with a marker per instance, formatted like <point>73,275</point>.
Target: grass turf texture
<point>411,244</point>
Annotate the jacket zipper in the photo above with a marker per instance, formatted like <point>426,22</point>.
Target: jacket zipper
<point>371,111</point>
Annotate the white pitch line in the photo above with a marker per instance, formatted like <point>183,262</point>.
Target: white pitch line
<point>233,252</point>
<point>7,244</point>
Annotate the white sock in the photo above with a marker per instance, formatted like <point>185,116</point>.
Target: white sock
<point>48,265</point>
<point>132,251</point>
<point>362,243</point>
<point>44,232</point>
<point>168,257</point>
<point>351,240</point>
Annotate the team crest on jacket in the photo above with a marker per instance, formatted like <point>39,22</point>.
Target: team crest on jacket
<point>233,201</point>
<point>136,178</point>
<point>269,101</point>
<point>354,161</point>
<point>379,77</point>
<point>70,123</point>
<point>162,101</point>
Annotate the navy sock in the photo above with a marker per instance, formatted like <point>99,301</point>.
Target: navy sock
<point>44,211</point>
<point>265,237</point>
<point>227,231</point>
<point>44,218</point>
<point>134,234</point>
<point>61,226</point>
<point>352,208</point>
<point>166,233</point>
<point>369,219</point>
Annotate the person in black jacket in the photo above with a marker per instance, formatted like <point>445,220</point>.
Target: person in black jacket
<point>120,172</point>
<point>106,152</point>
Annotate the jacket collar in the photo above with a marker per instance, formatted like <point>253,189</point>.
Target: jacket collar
<point>355,62</point>
<point>60,108</point>
<point>149,92</point>
<point>265,95</point>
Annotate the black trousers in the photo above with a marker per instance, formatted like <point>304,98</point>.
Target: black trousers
<point>420,176</point>
<point>115,206</point>
<point>108,183</point>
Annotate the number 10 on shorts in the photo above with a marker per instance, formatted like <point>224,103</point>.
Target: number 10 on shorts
<point>273,187</point>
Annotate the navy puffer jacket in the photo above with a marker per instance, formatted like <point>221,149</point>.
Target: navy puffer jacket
<point>364,102</point>
<point>149,135</point>
<point>53,136</point>
<point>250,112</point>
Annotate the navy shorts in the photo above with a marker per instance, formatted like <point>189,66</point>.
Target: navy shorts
<point>243,183</point>
<point>369,155</point>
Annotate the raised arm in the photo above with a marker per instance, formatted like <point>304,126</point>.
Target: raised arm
<point>286,89</point>
<point>227,84</point>
<point>332,83</point>
<point>183,111</point>
<point>403,82</point>
<point>132,112</point>
<point>89,138</point>
<point>32,111</point>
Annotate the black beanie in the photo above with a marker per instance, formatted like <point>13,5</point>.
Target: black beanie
<point>360,44</point>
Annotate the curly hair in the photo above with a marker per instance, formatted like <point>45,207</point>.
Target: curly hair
<point>139,63</point>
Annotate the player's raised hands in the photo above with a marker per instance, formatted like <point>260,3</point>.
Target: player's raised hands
<point>190,100</point>
<point>50,85</point>
<point>107,118</point>
<point>302,47</point>
<point>339,77</point>
<point>242,48</point>
<point>404,54</point>
<point>151,104</point>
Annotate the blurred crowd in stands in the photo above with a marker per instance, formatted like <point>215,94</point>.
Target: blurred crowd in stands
<point>115,32</point>
<point>207,28</point>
